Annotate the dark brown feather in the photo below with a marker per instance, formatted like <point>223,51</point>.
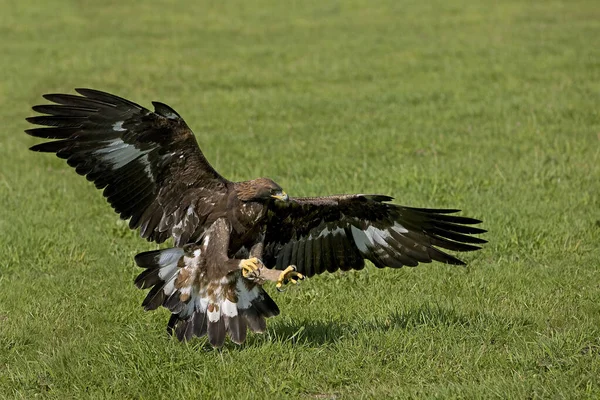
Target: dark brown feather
<point>134,154</point>
<point>256,322</point>
<point>216,332</point>
<point>155,298</point>
<point>236,327</point>
<point>152,172</point>
<point>201,323</point>
<point>344,230</point>
<point>147,279</point>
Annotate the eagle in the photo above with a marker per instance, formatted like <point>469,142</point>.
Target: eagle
<point>229,238</point>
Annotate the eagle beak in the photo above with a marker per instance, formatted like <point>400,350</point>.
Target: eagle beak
<point>281,196</point>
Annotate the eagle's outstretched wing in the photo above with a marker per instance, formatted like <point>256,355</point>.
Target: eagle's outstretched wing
<point>338,232</point>
<point>148,163</point>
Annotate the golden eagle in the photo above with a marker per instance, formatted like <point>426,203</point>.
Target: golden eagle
<point>229,237</point>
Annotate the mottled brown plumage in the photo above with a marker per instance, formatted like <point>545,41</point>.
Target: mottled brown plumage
<point>229,237</point>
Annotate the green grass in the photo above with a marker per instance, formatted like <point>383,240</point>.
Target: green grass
<point>492,107</point>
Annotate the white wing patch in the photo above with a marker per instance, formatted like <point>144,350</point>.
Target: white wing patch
<point>399,228</point>
<point>169,256</point>
<point>245,296</point>
<point>361,239</point>
<point>117,153</point>
<point>170,285</point>
<point>327,231</point>
<point>118,126</point>
<point>188,220</point>
<point>373,237</point>
<point>377,235</point>
<point>168,267</point>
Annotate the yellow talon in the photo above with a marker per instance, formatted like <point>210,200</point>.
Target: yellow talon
<point>250,266</point>
<point>288,275</point>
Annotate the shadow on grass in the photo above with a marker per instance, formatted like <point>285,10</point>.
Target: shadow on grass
<point>318,332</point>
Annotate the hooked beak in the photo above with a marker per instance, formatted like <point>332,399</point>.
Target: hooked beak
<point>281,196</point>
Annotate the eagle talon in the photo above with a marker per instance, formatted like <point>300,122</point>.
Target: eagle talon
<point>251,268</point>
<point>288,275</point>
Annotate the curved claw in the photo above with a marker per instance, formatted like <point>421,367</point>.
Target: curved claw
<point>251,267</point>
<point>288,275</point>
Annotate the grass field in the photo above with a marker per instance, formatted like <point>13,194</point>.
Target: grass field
<point>492,107</point>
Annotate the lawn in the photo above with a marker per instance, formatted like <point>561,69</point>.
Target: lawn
<point>491,107</point>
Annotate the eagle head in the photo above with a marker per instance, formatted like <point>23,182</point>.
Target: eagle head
<point>261,189</point>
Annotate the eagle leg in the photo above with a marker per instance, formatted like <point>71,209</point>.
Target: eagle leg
<point>251,268</point>
<point>288,275</point>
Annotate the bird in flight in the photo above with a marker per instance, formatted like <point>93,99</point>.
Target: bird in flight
<point>229,237</point>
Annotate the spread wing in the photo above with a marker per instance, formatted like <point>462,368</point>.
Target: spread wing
<point>148,163</point>
<point>339,232</point>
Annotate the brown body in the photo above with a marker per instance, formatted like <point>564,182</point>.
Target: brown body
<point>229,237</point>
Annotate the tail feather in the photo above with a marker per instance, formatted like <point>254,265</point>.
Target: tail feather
<point>200,324</point>
<point>256,322</point>
<point>155,298</point>
<point>147,279</point>
<point>216,332</point>
<point>266,307</point>
<point>202,307</point>
<point>237,328</point>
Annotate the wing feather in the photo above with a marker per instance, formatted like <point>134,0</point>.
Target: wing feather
<point>317,265</point>
<point>339,232</point>
<point>327,247</point>
<point>309,257</point>
<point>299,255</point>
<point>148,163</point>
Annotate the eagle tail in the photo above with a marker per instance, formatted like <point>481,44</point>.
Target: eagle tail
<point>199,306</point>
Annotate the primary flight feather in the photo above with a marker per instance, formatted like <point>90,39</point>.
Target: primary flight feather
<point>229,237</point>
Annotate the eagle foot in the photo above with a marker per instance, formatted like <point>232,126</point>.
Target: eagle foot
<point>288,275</point>
<point>251,268</point>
